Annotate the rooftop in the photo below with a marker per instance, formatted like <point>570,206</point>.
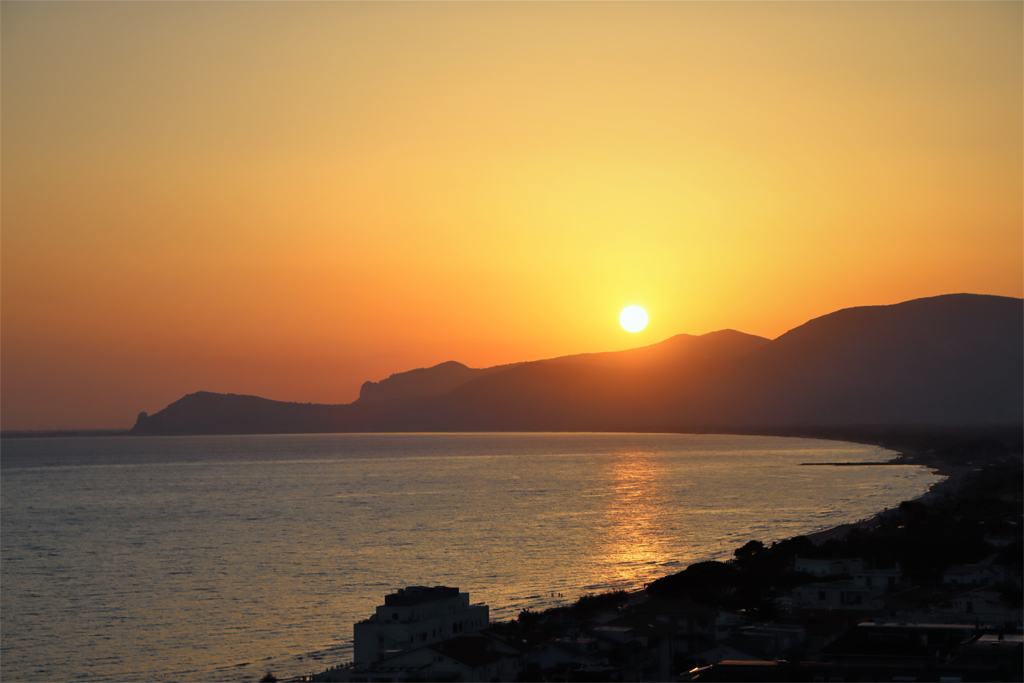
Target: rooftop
<point>416,595</point>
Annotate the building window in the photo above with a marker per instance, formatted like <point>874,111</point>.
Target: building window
<point>849,598</point>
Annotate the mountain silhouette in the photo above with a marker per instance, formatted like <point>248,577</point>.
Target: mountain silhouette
<point>208,413</point>
<point>422,382</point>
<point>953,360</point>
<point>623,390</point>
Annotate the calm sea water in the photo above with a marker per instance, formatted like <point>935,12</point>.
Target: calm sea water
<point>222,557</point>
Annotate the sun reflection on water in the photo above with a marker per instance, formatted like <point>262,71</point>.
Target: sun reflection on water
<point>634,540</point>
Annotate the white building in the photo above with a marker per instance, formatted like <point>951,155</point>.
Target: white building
<point>983,605</point>
<point>969,574</point>
<point>414,617</point>
<point>842,595</point>
<point>822,567</point>
<point>881,578</point>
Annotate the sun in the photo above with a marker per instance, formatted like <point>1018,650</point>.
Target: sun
<point>633,318</point>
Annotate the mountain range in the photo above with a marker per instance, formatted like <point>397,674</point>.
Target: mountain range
<point>952,360</point>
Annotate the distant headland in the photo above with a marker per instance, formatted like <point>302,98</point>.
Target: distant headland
<point>939,362</point>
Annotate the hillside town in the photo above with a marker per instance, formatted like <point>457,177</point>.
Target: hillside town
<point>929,591</point>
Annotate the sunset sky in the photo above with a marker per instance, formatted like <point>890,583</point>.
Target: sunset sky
<point>288,199</point>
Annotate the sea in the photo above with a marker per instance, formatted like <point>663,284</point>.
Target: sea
<point>219,558</point>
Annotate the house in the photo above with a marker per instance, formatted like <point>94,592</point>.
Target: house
<point>999,539</point>
<point>985,606</point>
<point>566,653</point>
<point>969,574</point>
<point>756,643</point>
<point>922,604</point>
<point>415,617</point>
<point>614,634</point>
<point>897,646</point>
<point>731,650</point>
<point>841,595</point>
<point>473,657</point>
<point>823,567</point>
<point>883,579</point>
<point>773,639</point>
<point>691,625</point>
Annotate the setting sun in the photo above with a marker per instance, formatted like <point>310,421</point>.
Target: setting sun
<point>366,162</point>
<point>371,252</point>
<point>633,318</point>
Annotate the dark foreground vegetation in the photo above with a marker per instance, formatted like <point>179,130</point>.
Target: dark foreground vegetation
<point>928,591</point>
<point>981,501</point>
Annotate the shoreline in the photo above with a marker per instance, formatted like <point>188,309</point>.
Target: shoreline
<point>955,476</point>
<point>949,486</point>
<point>975,477</point>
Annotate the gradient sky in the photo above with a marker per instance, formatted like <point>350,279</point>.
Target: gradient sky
<point>288,199</point>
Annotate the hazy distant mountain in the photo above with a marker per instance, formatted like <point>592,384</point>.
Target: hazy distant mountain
<point>207,413</point>
<point>622,390</point>
<point>682,348</point>
<point>422,382</point>
<point>951,360</point>
<point>954,359</point>
<point>444,378</point>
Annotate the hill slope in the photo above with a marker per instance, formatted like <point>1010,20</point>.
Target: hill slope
<point>422,382</point>
<point>954,359</point>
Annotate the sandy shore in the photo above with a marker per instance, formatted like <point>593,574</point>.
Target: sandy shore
<point>954,477</point>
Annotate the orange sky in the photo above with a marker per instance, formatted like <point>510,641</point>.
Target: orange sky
<point>287,199</point>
